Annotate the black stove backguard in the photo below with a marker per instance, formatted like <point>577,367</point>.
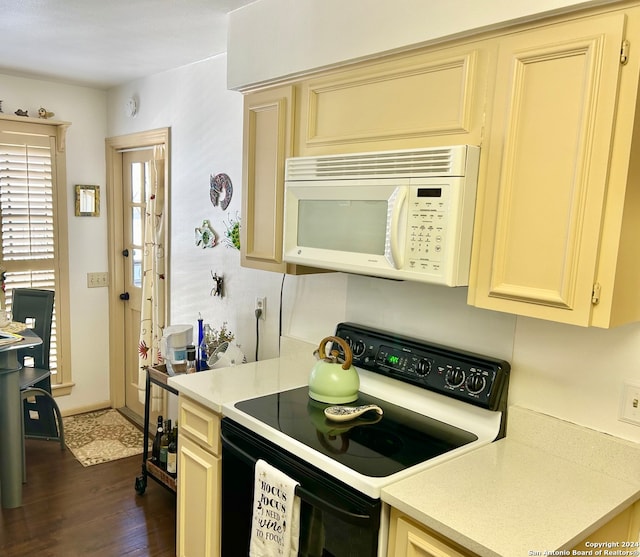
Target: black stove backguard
<point>473,378</point>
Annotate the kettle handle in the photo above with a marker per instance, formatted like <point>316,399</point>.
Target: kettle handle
<point>348,356</point>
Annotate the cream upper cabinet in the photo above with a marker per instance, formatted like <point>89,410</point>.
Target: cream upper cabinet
<point>269,118</point>
<point>268,136</point>
<point>552,210</point>
<point>411,100</point>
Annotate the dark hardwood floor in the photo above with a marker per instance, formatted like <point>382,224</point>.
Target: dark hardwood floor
<point>72,511</point>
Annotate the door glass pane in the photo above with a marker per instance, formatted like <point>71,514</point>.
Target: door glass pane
<point>137,185</point>
<point>137,268</point>
<point>136,226</point>
<point>354,226</point>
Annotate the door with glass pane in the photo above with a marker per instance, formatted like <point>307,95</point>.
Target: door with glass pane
<point>137,169</point>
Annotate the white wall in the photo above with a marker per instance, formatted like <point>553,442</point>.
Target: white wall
<point>206,138</point>
<point>301,36</point>
<point>85,108</point>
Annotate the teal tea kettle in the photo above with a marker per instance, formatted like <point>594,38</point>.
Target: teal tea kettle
<point>330,381</point>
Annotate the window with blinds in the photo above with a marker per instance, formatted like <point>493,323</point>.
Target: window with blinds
<point>28,218</point>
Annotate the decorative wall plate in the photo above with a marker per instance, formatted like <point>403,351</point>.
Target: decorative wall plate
<point>206,236</point>
<point>220,190</point>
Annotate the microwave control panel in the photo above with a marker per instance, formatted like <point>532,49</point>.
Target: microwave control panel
<point>427,228</point>
<point>473,378</point>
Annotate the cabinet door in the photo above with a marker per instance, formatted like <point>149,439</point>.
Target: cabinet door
<point>198,512</point>
<point>268,120</point>
<point>410,100</point>
<point>540,207</point>
<point>408,540</point>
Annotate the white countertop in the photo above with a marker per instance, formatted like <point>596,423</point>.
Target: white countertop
<point>214,387</point>
<point>544,487</point>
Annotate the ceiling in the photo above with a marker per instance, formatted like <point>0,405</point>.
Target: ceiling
<point>104,43</point>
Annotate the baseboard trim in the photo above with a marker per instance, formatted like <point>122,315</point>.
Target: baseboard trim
<point>85,409</point>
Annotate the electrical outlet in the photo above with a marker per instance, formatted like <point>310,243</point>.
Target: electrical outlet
<point>261,304</point>
<point>97,280</point>
<point>630,403</point>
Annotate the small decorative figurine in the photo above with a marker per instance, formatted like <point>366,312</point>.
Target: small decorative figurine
<point>206,236</point>
<point>218,285</point>
<point>21,112</point>
<point>43,113</point>
<point>220,185</point>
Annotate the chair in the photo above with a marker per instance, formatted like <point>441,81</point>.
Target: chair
<point>41,416</point>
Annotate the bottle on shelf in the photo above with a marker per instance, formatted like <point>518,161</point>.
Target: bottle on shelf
<point>155,449</point>
<point>172,452</point>
<point>164,445</point>
<point>191,359</point>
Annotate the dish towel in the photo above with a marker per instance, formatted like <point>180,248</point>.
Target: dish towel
<point>275,526</point>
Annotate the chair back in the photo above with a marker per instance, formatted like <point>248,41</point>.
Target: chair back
<point>34,307</point>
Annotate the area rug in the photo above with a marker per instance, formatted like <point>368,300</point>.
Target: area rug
<point>102,436</point>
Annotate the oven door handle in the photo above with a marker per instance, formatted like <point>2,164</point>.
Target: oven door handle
<point>303,493</point>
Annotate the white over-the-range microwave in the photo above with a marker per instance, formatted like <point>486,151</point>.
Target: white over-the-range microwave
<point>404,215</point>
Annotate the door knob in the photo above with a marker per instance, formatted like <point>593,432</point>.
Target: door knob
<point>124,296</point>
<point>125,252</point>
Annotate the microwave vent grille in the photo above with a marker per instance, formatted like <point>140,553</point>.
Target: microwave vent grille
<point>432,162</point>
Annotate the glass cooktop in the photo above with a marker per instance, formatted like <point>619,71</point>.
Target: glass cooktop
<point>372,445</point>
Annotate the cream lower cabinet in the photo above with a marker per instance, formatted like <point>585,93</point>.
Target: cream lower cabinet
<point>408,539</point>
<point>555,220</point>
<point>622,530</point>
<point>199,481</point>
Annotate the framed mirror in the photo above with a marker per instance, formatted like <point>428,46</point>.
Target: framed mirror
<point>87,201</point>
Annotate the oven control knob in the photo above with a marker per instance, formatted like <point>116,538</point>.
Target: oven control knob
<point>454,377</point>
<point>358,348</point>
<point>423,367</point>
<point>476,383</point>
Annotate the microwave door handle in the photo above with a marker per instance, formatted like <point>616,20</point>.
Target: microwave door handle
<point>397,253</point>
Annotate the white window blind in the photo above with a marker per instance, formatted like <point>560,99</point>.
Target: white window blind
<point>27,216</point>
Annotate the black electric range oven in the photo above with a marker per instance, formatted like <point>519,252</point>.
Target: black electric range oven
<point>437,402</point>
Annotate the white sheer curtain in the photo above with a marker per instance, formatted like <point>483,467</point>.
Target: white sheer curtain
<point>153,314</point>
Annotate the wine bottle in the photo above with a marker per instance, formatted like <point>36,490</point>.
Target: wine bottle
<point>164,445</point>
<point>172,452</point>
<point>202,357</point>
<point>155,449</point>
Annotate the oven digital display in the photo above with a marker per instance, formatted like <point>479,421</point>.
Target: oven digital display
<point>392,358</point>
